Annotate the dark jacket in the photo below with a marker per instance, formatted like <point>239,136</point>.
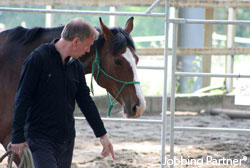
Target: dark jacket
<point>46,95</point>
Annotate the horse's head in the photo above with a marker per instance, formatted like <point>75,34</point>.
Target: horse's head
<point>118,59</point>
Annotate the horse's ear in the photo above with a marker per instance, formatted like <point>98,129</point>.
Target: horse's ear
<point>129,25</point>
<point>106,32</point>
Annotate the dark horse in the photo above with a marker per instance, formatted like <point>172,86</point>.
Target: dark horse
<point>117,58</point>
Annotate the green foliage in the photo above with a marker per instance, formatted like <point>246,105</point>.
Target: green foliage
<point>195,68</point>
<point>145,88</point>
<point>218,91</point>
<point>141,24</point>
<point>220,14</point>
<point>13,19</point>
<point>241,30</point>
<point>93,19</point>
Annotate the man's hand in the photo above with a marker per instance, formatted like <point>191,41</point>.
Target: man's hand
<point>107,146</point>
<point>18,148</point>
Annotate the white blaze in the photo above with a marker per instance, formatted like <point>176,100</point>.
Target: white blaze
<point>130,58</point>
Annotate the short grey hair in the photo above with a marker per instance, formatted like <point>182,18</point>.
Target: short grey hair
<point>78,28</point>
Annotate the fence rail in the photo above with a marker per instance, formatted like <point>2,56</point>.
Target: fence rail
<point>207,51</point>
<point>200,21</point>
<point>60,11</point>
<point>192,74</point>
<point>219,130</point>
<point>196,129</point>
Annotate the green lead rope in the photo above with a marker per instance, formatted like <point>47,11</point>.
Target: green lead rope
<point>96,64</point>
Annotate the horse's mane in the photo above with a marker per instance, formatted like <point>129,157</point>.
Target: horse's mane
<point>25,36</point>
<point>121,40</point>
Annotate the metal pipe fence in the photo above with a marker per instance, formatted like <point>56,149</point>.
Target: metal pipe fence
<point>218,130</point>
<point>121,120</point>
<point>192,74</point>
<point>200,21</point>
<point>173,85</point>
<point>164,96</point>
<point>196,51</point>
<point>188,74</point>
<point>175,21</point>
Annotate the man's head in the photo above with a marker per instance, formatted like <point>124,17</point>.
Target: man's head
<point>81,35</point>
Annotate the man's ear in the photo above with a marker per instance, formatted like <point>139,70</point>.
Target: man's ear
<point>75,41</point>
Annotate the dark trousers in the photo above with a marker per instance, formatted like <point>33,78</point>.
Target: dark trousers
<point>48,154</point>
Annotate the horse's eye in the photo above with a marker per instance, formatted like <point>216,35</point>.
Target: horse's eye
<point>118,62</point>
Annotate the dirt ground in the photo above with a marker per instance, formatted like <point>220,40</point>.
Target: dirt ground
<point>138,145</point>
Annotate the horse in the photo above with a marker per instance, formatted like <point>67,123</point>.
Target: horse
<point>117,57</point>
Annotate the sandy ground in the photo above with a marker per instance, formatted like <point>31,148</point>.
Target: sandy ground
<point>138,145</point>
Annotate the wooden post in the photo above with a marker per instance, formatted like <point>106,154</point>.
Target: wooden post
<point>112,18</point>
<point>49,18</point>
<point>230,43</point>
<point>208,42</point>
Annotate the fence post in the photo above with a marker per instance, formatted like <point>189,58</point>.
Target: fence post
<point>230,44</point>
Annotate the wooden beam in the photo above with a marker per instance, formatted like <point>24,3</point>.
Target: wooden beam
<point>232,113</point>
<point>208,39</point>
<point>174,3</point>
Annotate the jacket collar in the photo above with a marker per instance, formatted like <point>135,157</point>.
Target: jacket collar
<point>68,60</point>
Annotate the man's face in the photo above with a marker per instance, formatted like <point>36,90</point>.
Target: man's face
<point>83,47</point>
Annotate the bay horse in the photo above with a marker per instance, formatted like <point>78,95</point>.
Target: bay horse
<point>117,56</point>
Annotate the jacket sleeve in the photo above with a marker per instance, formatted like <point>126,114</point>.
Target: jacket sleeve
<point>88,106</point>
<point>30,74</point>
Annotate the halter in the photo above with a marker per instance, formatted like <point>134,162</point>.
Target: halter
<point>96,63</point>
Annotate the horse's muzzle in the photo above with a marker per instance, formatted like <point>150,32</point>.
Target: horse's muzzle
<point>135,111</point>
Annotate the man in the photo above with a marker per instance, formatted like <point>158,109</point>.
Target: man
<point>52,79</point>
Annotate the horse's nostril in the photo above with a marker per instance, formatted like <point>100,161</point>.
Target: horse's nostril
<point>134,108</point>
